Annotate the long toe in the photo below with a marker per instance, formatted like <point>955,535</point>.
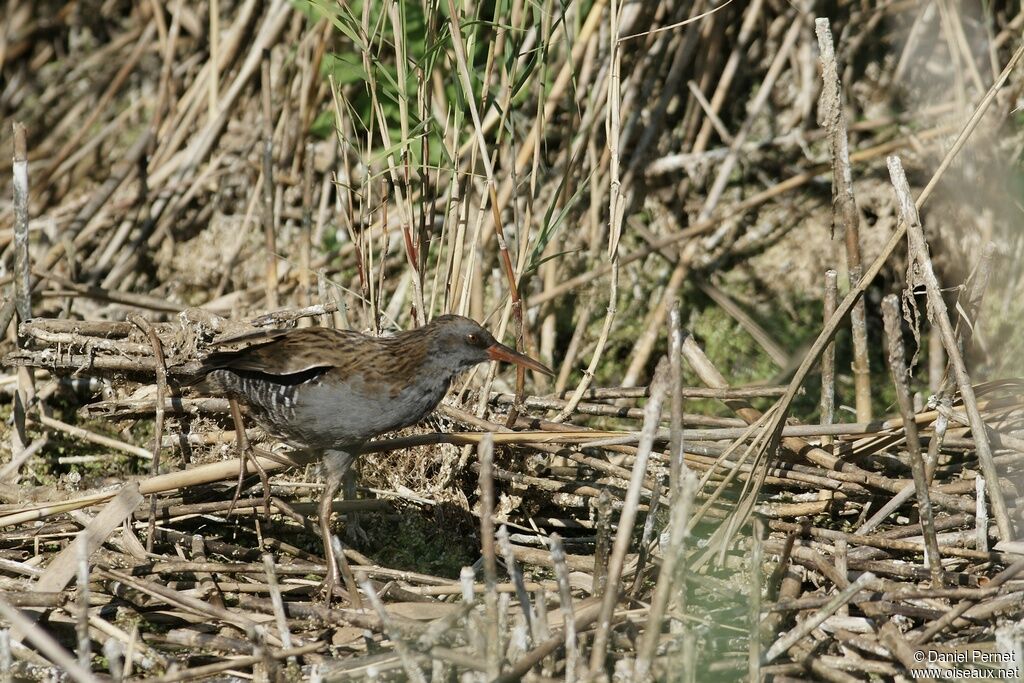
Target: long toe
<point>327,589</point>
<point>239,485</point>
<point>264,479</point>
<point>331,585</point>
<point>355,534</point>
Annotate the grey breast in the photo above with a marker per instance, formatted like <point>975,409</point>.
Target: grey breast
<point>353,411</point>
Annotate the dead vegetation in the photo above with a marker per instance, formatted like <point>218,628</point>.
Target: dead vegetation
<point>722,482</point>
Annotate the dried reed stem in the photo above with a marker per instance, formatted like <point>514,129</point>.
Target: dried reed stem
<point>898,368</point>
<point>937,307</point>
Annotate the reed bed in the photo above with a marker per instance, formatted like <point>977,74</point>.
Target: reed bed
<point>769,253</point>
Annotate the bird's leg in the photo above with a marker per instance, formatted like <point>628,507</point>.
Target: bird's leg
<point>331,487</point>
<point>353,530</point>
<point>246,455</point>
<point>336,466</point>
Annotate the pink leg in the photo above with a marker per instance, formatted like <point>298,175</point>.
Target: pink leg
<point>331,487</point>
<point>336,465</point>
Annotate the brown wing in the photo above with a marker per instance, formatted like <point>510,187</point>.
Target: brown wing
<point>287,352</point>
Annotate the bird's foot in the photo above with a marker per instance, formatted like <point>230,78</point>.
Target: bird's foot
<point>355,534</point>
<point>328,589</point>
<point>331,585</point>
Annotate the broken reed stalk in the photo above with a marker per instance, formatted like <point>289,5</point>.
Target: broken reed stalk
<point>602,541</point>
<point>412,669</point>
<point>919,257</point>
<point>280,617</point>
<point>669,576</point>
<point>512,568</point>
<point>677,463</point>
<point>541,625</point>
<point>229,469</point>
<point>754,608</point>
<point>572,653</point>
<point>115,658</point>
<point>5,655</point>
<point>644,548</point>
<point>624,533</point>
<point>898,368</point>
<point>22,280</point>
<point>936,361</point>
<point>832,117</point>
<point>981,514</point>
<point>21,301</point>
<point>207,580</point>
<point>204,610</point>
<point>586,614</point>
<point>485,451</point>
<point>828,360</point>
<point>82,608</point>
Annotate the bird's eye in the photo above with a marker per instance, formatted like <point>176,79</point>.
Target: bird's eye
<point>473,339</point>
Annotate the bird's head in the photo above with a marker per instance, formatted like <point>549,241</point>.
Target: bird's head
<point>463,343</point>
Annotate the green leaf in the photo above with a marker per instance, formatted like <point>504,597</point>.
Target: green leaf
<point>344,68</point>
<point>323,125</point>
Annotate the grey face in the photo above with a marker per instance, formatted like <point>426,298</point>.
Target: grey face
<point>465,343</point>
